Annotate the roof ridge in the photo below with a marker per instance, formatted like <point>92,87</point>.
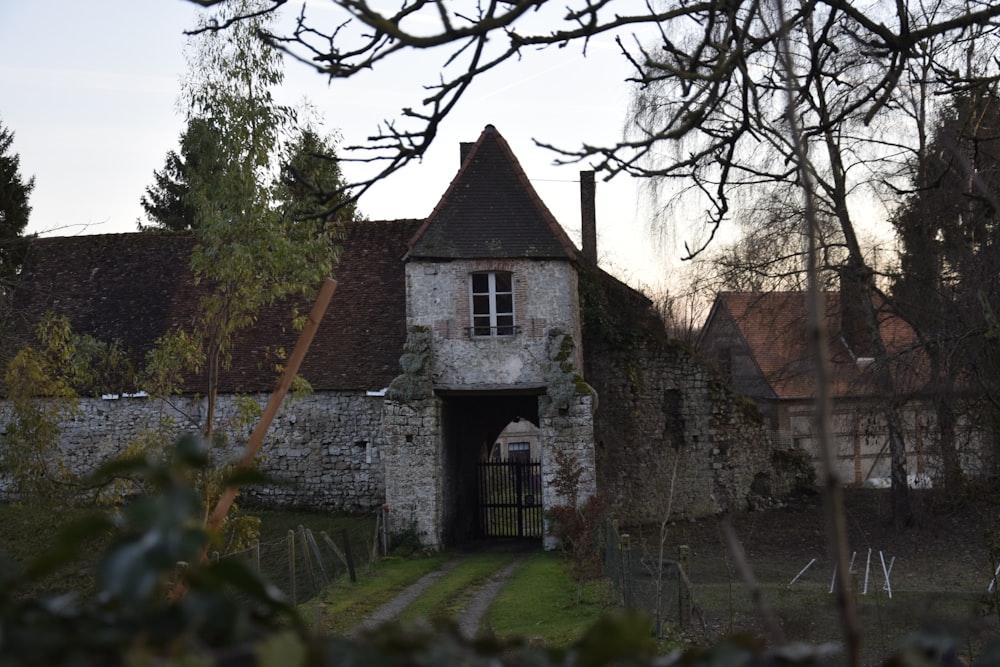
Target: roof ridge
<point>452,197</point>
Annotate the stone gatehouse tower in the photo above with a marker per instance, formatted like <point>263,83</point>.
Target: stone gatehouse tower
<point>443,333</point>
<point>493,321</point>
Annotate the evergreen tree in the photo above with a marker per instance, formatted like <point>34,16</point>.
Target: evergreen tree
<point>947,287</point>
<point>14,210</point>
<point>310,185</point>
<point>166,201</point>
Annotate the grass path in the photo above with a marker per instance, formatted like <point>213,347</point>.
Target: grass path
<point>509,595</point>
<point>394,607</point>
<point>460,591</point>
<point>471,617</point>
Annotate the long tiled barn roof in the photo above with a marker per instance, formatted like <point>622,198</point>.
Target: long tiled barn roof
<point>133,288</point>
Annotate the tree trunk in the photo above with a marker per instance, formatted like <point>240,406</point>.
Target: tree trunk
<point>213,360</point>
<point>902,513</point>
<point>856,285</point>
<point>953,478</point>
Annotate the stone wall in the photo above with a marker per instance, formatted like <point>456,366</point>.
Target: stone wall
<point>671,435</point>
<point>413,469</point>
<point>545,299</point>
<point>570,431</point>
<point>325,449</point>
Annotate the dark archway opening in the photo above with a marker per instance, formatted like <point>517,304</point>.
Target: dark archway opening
<point>472,423</point>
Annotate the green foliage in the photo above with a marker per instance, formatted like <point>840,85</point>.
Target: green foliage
<point>166,202</point>
<point>249,252</point>
<point>174,355</point>
<point>310,183</point>
<point>797,465</point>
<point>408,542</point>
<point>131,617</point>
<point>14,210</point>
<point>564,382</point>
<point>597,315</point>
<point>614,314</point>
<point>945,289</point>
<point>43,383</point>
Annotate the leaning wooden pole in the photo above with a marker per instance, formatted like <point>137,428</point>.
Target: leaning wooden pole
<point>277,397</point>
<point>270,410</point>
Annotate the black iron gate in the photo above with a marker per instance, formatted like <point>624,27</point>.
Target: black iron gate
<point>510,498</point>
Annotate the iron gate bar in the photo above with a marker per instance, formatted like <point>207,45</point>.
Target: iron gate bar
<point>509,498</point>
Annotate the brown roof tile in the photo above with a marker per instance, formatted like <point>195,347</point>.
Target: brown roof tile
<point>773,326</point>
<point>134,288</point>
<point>490,210</point>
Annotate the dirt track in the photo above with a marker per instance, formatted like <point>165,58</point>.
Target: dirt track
<point>468,619</point>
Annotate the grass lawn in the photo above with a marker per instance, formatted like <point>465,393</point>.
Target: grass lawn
<point>30,530</point>
<point>939,576</point>
<point>345,604</point>
<point>540,603</point>
<point>450,593</point>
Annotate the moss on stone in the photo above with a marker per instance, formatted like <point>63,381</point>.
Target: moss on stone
<point>414,383</point>
<point>564,382</point>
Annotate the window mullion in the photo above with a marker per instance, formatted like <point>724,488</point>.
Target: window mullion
<point>494,330</point>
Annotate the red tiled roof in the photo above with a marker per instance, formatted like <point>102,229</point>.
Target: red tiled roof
<point>134,288</point>
<point>773,326</point>
<point>490,210</point>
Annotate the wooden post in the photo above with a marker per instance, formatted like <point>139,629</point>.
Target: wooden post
<point>683,594</point>
<point>350,558</point>
<point>271,409</point>
<point>277,397</point>
<point>319,557</point>
<point>308,559</point>
<point>291,565</point>
<point>333,547</point>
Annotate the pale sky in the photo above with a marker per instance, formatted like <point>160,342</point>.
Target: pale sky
<point>90,88</point>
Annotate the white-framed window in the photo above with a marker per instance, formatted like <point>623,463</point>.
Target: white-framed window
<point>492,295</point>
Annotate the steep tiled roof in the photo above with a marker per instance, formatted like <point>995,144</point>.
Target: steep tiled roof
<point>133,288</point>
<point>129,288</point>
<point>773,327</point>
<point>490,210</point>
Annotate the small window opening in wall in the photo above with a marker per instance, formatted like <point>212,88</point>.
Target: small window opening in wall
<point>492,295</point>
<point>409,438</point>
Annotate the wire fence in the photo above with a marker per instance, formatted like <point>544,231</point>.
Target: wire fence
<point>304,562</point>
<point>656,586</point>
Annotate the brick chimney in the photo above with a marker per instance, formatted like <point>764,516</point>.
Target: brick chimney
<point>463,151</point>
<point>588,217</point>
